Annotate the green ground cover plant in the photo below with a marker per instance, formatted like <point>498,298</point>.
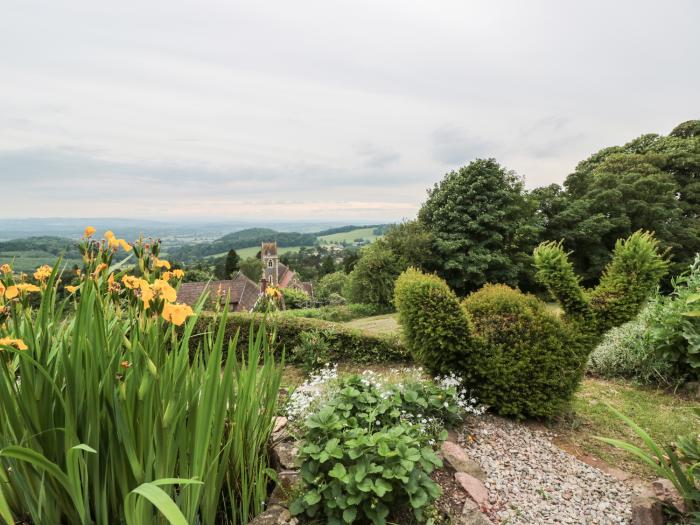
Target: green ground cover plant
<point>368,446</point>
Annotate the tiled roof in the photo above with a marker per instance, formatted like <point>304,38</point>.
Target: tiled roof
<point>284,276</point>
<point>242,292</point>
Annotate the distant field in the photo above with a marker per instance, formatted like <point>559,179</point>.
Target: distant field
<point>245,253</point>
<point>360,233</point>
<point>29,261</point>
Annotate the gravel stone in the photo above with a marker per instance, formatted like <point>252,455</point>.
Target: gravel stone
<point>530,480</point>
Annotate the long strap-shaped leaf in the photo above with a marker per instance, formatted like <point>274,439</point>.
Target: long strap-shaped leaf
<point>159,499</point>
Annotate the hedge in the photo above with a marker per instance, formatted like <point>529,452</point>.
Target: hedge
<point>347,344</point>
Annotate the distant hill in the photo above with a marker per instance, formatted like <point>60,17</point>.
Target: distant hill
<point>241,239</point>
<point>251,238</point>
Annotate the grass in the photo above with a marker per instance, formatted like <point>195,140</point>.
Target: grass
<point>663,415</point>
<point>376,325</point>
<point>29,261</point>
<point>360,233</point>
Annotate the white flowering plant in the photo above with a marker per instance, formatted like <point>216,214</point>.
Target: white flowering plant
<point>368,446</point>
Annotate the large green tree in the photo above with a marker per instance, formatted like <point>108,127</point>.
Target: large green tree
<point>651,183</point>
<point>483,224</point>
<point>372,279</point>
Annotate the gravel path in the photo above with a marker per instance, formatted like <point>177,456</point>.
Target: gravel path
<point>532,481</point>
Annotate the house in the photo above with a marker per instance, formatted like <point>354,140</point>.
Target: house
<point>242,292</point>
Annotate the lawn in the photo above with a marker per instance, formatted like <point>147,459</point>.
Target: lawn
<point>662,414</point>
<point>376,325</point>
<point>360,233</point>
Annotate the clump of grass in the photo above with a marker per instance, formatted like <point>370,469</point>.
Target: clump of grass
<point>106,416</point>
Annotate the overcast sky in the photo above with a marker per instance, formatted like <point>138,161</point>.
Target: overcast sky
<point>328,109</point>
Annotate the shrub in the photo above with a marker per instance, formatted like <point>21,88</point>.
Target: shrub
<point>313,350</point>
<point>372,279</point>
<point>435,327</point>
<point>346,344</point>
<point>294,298</point>
<point>627,282</point>
<point>628,351</point>
<point>524,361</point>
<point>675,325</point>
<point>113,412</point>
<point>514,354</point>
<point>329,284</point>
<point>368,449</point>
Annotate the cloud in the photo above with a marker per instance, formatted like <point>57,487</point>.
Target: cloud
<point>218,106</point>
<point>453,145</point>
<point>375,157</point>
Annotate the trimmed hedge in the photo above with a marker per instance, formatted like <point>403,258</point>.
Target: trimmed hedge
<point>347,344</point>
<point>435,327</point>
<point>525,360</point>
<point>513,353</point>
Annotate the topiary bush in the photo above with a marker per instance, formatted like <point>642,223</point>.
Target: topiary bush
<point>436,329</point>
<point>517,356</point>
<point>627,282</point>
<point>525,361</point>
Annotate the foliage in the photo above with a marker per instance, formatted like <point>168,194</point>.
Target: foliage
<point>337,314</point>
<point>369,449</point>
<point>483,224</point>
<point>681,465</point>
<point>346,344</point>
<point>413,244</point>
<point>674,327</point>
<point>628,351</point>
<point>252,269</point>
<point>228,265</point>
<point>649,183</point>
<point>372,279</point>
<point>435,328</point>
<point>331,283</point>
<point>313,350</point>
<point>524,360</point>
<point>295,298</point>
<point>627,282</point>
<point>517,356</point>
<point>131,417</point>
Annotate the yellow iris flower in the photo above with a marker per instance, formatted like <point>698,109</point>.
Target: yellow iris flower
<point>176,313</point>
<point>15,343</point>
<point>89,232</point>
<point>71,289</point>
<point>43,273</point>
<point>164,290</point>
<point>5,268</point>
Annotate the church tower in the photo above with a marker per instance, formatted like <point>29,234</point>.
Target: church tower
<point>270,262</point>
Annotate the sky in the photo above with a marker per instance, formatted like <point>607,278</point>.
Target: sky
<point>321,110</point>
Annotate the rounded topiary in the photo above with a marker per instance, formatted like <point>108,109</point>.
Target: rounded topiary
<point>435,327</point>
<point>524,361</point>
